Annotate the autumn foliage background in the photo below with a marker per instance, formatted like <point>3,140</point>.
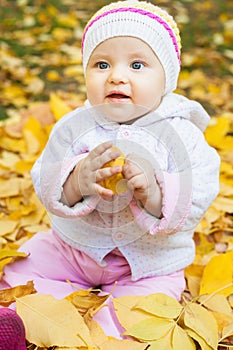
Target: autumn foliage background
<point>41,79</point>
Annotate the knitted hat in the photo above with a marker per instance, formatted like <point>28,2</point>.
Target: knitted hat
<point>142,20</point>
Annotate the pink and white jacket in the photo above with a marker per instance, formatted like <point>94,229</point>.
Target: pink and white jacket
<point>185,166</point>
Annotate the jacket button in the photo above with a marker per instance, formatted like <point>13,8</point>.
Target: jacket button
<point>119,236</point>
<point>126,133</point>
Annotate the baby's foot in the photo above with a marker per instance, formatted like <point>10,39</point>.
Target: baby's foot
<point>12,331</point>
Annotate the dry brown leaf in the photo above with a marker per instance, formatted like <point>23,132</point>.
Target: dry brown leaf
<point>87,301</point>
<point>9,255</point>
<point>9,295</point>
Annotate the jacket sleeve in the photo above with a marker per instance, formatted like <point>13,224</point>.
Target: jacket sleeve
<point>189,184</point>
<point>50,171</point>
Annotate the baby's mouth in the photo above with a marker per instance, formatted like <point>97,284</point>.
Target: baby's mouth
<point>117,97</point>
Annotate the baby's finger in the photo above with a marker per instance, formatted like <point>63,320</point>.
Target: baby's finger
<point>131,169</point>
<point>104,158</point>
<point>100,149</point>
<point>137,182</point>
<point>103,192</point>
<point>104,173</point>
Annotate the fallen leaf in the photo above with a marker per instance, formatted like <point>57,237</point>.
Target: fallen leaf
<point>216,302</point>
<point>109,343</point>
<point>51,322</point>
<point>87,301</point>
<point>227,331</point>
<point>162,343</point>
<point>126,314</point>
<point>151,329</point>
<point>9,295</point>
<point>202,322</point>
<point>159,304</point>
<point>181,340</point>
<point>116,344</point>
<point>58,107</point>
<point>217,275</point>
<point>198,338</point>
<point>8,256</point>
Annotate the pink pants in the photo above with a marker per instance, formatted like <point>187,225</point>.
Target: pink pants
<point>52,262</point>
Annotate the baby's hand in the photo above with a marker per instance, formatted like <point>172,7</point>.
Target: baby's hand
<point>90,172</point>
<point>140,177</point>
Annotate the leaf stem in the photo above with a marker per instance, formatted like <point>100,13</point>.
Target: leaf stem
<point>216,292</point>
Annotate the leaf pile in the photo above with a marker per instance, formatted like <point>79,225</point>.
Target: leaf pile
<point>41,80</point>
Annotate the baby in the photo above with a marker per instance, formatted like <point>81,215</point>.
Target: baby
<point>141,237</point>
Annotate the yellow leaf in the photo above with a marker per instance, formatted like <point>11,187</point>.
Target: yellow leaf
<point>58,107</point>
<point>116,182</point>
<point>116,344</point>
<point>181,340</point>
<point>35,216</point>
<point>216,302</point>
<point>217,274</point>
<point>200,340</point>
<point>109,343</point>
<point>7,226</point>
<point>34,84</point>
<point>53,75</point>
<point>8,296</point>
<point>34,136</point>
<point>224,204</point>
<point>161,305</point>
<point>51,322</point>
<point>8,159</point>
<point>164,343</point>
<point>193,274</point>
<point>23,166</point>
<point>33,144</point>
<point>67,19</point>
<point>5,254</point>
<point>62,34</point>
<point>226,190</point>
<point>151,329</point>
<point>203,246</point>
<point>9,187</point>
<point>126,315</point>
<point>217,130</point>
<point>86,300</point>
<point>97,333</point>
<point>227,331</point>
<point>202,322</point>
<point>222,320</point>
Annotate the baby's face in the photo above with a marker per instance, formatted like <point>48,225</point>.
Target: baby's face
<point>124,78</point>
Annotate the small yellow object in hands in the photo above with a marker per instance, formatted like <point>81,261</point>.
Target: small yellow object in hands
<point>116,182</point>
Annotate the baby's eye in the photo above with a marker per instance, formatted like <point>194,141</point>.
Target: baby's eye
<point>137,65</point>
<point>103,65</point>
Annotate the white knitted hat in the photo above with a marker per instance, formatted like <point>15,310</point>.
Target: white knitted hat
<point>142,20</point>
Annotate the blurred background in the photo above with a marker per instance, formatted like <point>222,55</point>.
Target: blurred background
<point>40,51</point>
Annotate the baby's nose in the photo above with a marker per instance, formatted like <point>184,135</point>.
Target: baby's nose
<point>118,75</point>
